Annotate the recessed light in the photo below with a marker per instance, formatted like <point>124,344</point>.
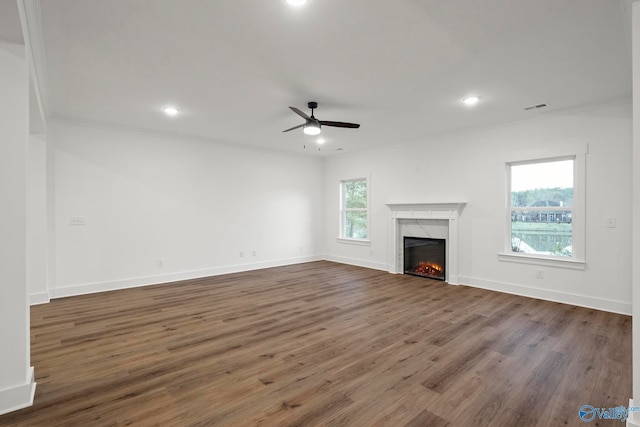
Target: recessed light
<point>296,2</point>
<point>170,111</point>
<point>470,100</point>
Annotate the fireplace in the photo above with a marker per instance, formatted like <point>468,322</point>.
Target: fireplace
<point>433,220</point>
<point>425,257</point>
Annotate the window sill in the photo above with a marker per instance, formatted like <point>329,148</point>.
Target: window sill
<point>541,260</point>
<point>360,242</point>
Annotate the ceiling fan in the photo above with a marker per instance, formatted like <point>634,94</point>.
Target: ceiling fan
<point>312,125</point>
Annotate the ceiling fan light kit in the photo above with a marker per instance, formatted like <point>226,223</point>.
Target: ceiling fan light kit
<point>312,129</point>
<point>312,126</point>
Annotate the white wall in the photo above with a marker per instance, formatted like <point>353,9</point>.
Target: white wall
<point>470,168</point>
<point>636,211</point>
<point>50,169</point>
<point>192,205</point>
<point>16,387</point>
<point>37,219</point>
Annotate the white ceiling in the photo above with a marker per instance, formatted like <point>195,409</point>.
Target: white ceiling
<point>399,68</point>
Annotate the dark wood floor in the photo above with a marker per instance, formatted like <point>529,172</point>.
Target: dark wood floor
<point>322,344</point>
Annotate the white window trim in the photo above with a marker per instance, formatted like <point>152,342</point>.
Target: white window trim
<point>578,258</point>
<point>348,240</point>
<point>361,242</point>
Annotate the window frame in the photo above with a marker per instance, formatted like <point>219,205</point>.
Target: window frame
<point>577,259</point>
<point>342,211</point>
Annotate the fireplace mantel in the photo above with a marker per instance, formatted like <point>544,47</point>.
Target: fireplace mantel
<point>448,211</point>
<point>426,210</point>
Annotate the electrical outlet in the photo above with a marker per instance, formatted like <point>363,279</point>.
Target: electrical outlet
<point>160,263</point>
<point>78,220</point>
<point>539,274</point>
<point>241,254</point>
<point>611,223</point>
<point>254,253</point>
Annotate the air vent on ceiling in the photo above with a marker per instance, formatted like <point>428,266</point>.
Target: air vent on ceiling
<point>533,107</point>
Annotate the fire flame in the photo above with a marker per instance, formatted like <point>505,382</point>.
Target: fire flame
<point>428,269</point>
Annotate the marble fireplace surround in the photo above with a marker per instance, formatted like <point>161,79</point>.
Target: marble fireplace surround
<point>439,220</point>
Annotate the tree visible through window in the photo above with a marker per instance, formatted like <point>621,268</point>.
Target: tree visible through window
<point>542,207</point>
<point>354,210</point>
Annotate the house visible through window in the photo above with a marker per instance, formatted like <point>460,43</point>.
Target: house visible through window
<point>354,215</point>
<point>542,207</point>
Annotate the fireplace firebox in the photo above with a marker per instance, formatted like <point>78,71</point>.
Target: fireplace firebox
<point>425,257</point>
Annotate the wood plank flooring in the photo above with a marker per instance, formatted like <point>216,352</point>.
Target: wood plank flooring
<point>322,344</point>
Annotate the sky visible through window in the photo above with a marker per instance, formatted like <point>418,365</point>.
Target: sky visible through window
<point>542,175</point>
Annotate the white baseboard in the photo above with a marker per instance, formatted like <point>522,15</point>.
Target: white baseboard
<point>39,298</point>
<point>620,307</point>
<point>358,262</point>
<point>613,306</point>
<point>634,417</point>
<point>90,288</point>
<point>19,397</point>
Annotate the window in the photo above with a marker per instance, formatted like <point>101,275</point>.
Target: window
<point>354,211</point>
<point>542,211</point>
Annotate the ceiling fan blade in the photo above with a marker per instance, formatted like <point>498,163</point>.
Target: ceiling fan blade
<point>295,127</point>
<point>300,113</point>
<point>340,124</point>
